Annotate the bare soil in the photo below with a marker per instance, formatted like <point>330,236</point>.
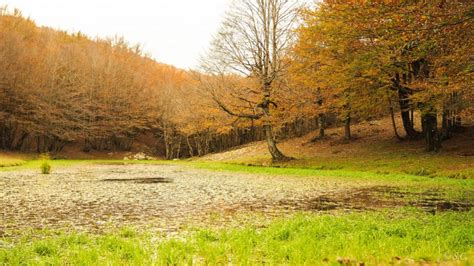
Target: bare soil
<point>164,196</point>
<point>170,197</point>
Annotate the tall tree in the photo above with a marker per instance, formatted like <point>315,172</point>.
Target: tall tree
<point>253,41</point>
<point>360,51</point>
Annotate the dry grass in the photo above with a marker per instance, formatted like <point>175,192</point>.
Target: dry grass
<point>8,159</point>
<point>369,139</point>
<point>374,148</point>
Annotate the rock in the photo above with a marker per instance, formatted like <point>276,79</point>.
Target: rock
<point>141,156</point>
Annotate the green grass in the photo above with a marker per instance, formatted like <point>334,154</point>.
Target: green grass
<point>403,163</point>
<point>374,238</point>
<point>348,175</point>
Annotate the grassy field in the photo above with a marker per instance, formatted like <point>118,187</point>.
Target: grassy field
<point>386,237</point>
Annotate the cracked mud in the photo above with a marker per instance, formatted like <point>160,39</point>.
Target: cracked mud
<point>167,197</point>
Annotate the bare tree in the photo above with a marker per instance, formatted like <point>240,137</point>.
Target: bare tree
<point>253,41</point>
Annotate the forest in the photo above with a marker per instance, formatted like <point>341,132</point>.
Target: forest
<point>300,69</point>
<point>318,132</point>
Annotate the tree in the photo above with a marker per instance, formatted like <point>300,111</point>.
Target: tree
<point>359,51</point>
<point>253,41</point>
<point>329,59</point>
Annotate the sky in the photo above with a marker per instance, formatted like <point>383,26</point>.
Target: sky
<point>175,32</point>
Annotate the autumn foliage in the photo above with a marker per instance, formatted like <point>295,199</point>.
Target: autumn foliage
<point>344,61</point>
<point>363,56</point>
<point>57,88</point>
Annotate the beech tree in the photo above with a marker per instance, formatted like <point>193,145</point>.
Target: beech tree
<point>253,41</point>
<point>58,89</point>
<point>360,52</point>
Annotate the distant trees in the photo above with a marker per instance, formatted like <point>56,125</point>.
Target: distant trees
<point>270,72</point>
<point>57,88</point>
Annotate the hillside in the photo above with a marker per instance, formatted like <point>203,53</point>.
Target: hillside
<point>374,147</point>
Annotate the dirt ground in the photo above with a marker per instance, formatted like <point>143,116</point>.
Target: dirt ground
<point>368,138</point>
<point>168,197</point>
<point>164,196</point>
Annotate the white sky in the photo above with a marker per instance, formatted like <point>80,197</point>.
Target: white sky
<point>174,32</point>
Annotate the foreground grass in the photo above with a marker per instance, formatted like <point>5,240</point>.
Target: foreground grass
<point>405,235</point>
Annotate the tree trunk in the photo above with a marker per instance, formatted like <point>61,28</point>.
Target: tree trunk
<point>322,125</point>
<point>392,116</point>
<point>446,127</point>
<point>347,128</point>
<point>277,155</point>
<point>322,128</point>
<point>190,147</point>
<point>321,117</point>
<point>405,114</point>
<point>168,144</point>
<point>430,128</point>
<point>394,124</point>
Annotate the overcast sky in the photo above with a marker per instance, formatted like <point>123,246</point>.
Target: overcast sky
<point>175,32</point>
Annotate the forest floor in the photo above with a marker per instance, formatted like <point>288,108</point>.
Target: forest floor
<point>373,148</point>
<point>373,200</point>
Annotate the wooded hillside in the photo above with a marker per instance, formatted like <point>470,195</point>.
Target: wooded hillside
<point>301,68</point>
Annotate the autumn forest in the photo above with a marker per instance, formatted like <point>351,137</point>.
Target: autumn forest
<point>330,121</point>
<point>289,71</point>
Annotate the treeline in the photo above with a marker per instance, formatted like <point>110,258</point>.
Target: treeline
<point>179,145</point>
<point>56,88</point>
<point>59,89</point>
<point>274,70</point>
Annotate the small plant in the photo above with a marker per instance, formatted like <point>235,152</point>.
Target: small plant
<point>45,165</point>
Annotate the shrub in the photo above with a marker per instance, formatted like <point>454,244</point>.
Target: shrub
<point>45,166</point>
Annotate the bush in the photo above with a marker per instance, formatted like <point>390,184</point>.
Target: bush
<point>45,166</point>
